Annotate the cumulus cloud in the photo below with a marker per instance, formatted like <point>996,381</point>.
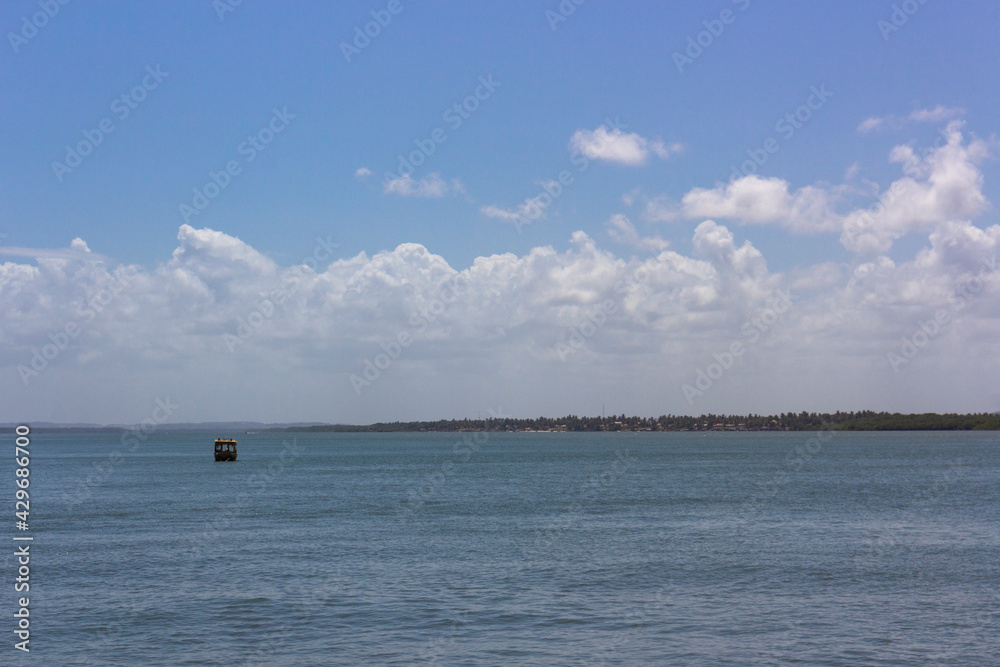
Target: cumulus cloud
<point>940,184</point>
<point>228,333</point>
<point>764,200</point>
<point>362,173</point>
<point>219,310</point>
<point>615,145</point>
<point>431,186</point>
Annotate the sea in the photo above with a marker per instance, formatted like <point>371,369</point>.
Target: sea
<point>699,548</point>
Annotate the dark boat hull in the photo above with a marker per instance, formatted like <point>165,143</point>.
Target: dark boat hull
<point>225,456</point>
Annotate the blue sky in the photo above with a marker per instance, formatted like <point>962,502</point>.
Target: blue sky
<point>222,75</point>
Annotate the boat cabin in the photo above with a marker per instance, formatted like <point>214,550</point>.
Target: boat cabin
<point>225,450</point>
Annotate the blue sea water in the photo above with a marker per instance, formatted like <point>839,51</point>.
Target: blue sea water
<point>495,549</point>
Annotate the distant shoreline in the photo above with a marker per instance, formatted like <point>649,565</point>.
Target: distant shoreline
<point>803,421</point>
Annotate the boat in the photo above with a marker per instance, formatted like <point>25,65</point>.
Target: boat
<point>225,449</point>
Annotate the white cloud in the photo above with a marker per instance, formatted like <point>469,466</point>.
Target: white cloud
<point>764,200</point>
<point>77,249</point>
<point>215,255</point>
<point>530,210</point>
<point>615,145</point>
<point>621,230</point>
<point>661,209</point>
<point>870,124</point>
<point>431,186</point>
<point>939,185</point>
<point>938,114</point>
<point>148,333</point>
<point>716,243</point>
<point>664,151</point>
<point>507,215</point>
<point>944,184</point>
<point>363,172</point>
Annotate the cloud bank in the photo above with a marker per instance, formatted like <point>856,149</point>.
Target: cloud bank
<point>226,333</point>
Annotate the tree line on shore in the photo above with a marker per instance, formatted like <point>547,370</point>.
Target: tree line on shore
<point>865,420</point>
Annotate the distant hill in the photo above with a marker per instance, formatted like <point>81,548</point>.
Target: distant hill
<point>221,427</point>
